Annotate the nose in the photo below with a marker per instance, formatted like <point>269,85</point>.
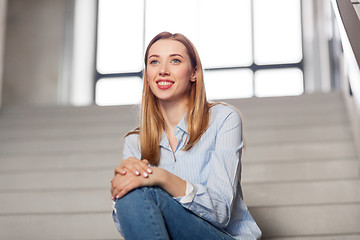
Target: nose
<point>163,70</point>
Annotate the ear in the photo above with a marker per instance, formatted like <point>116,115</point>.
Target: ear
<point>193,76</point>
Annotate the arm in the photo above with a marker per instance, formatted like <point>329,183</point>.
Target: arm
<point>122,184</point>
<point>213,201</point>
<point>128,175</point>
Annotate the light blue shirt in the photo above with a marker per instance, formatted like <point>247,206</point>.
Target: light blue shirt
<point>212,169</point>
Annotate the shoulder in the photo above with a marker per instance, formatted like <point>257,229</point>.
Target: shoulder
<point>221,112</point>
<point>132,146</point>
<point>132,140</point>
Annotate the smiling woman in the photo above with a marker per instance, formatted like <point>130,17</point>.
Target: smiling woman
<point>180,177</point>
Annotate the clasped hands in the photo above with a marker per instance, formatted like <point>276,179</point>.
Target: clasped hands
<point>132,173</point>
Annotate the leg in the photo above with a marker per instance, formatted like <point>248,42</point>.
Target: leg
<point>182,224</point>
<point>163,218</point>
<point>139,217</point>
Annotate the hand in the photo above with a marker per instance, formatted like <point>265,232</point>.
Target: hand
<point>134,165</point>
<point>122,184</point>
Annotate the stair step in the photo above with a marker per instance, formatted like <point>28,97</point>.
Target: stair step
<point>302,193</point>
<point>320,219</point>
<point>58,226</point>
<point>62,146</point>
<point>127,121</point>
<point>299,134</point>
<point>94,178</point>
<point>67,201</point>
<point>253,135</point>
<point>285,221</point>
<point>300,151</point>
<point>57,180</point>
<point>258,153</point>
<point>46,162</point>
<point>301,171</point>
<point>318,237</point>
<point>308,101</point>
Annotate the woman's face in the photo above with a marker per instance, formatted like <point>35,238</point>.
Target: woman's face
<point>169,71</point>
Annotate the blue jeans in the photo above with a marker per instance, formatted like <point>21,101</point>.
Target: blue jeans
<point>151,213</point>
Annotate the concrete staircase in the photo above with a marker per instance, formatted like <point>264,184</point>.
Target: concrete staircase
<point>300,170</point>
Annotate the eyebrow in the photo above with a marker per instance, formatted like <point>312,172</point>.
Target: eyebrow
<point>176,55</point>
<point>171,55</point>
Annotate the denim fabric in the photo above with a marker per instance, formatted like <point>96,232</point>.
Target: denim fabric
<point>151,213</point>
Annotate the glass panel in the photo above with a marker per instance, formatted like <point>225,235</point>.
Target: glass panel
<point>220,30</point>
<point>277,31</point>
<point>120,36</point>
<point>171,16</point>
<point>225,84</point>
<point>279,82</point>
<point>225,33</point>
<point>118,91</point>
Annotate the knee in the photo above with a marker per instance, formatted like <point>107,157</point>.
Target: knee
<point>131,200</point>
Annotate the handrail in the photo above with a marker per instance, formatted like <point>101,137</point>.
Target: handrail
<point>349,26</point>
<point>351,23</point>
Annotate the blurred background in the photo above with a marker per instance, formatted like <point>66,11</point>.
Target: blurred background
<point>85,52</point>
<point>71,81</point>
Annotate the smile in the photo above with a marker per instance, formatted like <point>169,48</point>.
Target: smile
<point>164,84</point>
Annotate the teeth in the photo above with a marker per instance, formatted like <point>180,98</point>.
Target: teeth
<point>165,83</point>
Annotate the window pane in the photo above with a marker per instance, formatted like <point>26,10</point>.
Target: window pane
<point>279,82</point>
<point>225,33</point>
<point>171,16</point>
<point>120,36</point>
<point>118,91</point>
<point>220,30</point>
<point>277,31</point>
<point>225,84</point>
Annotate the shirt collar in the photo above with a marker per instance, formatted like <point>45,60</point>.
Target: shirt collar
<point>182,126</point>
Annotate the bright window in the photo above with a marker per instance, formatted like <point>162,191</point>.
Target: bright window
<point>239,43</point>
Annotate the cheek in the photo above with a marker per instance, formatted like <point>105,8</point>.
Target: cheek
<point>184,73</point>
<point>149,74</point>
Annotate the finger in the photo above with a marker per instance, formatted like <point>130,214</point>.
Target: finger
<point>138,168</point>
<point>119,170</point>
<point>129,187</point>
<point>148,169</point>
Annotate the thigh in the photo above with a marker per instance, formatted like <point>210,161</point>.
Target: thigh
<point>181,223</point>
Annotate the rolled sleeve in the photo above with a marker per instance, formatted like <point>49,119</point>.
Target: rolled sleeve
<point>189,194</point>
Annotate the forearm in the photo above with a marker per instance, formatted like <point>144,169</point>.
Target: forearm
<point>171,183</point>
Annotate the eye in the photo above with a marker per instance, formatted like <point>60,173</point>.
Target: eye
<point>175,61</point>
<point>154,62</point>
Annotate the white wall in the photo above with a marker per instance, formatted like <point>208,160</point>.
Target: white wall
<point>33,52</point>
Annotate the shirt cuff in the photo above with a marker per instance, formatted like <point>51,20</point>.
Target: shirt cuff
<point>189,194</point>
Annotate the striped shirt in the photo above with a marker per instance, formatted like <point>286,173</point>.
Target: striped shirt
<point>212,169</point>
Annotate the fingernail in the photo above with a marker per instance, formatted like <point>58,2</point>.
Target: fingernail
<point>112,198</point>
<point>117,196</point>
<point>149,170</point>
<point>145,174</point>
<point>137,172</point>
<point>123,172</point>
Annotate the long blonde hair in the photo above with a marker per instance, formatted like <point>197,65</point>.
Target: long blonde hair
<point>152,122</point>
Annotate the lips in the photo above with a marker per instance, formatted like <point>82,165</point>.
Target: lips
<point>164,83</point>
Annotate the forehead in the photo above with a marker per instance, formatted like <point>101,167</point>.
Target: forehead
<point>166,47</point>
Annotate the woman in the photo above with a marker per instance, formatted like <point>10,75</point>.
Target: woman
<point>180,177</point>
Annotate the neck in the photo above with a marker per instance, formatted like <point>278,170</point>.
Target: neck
<point>172,113</point>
